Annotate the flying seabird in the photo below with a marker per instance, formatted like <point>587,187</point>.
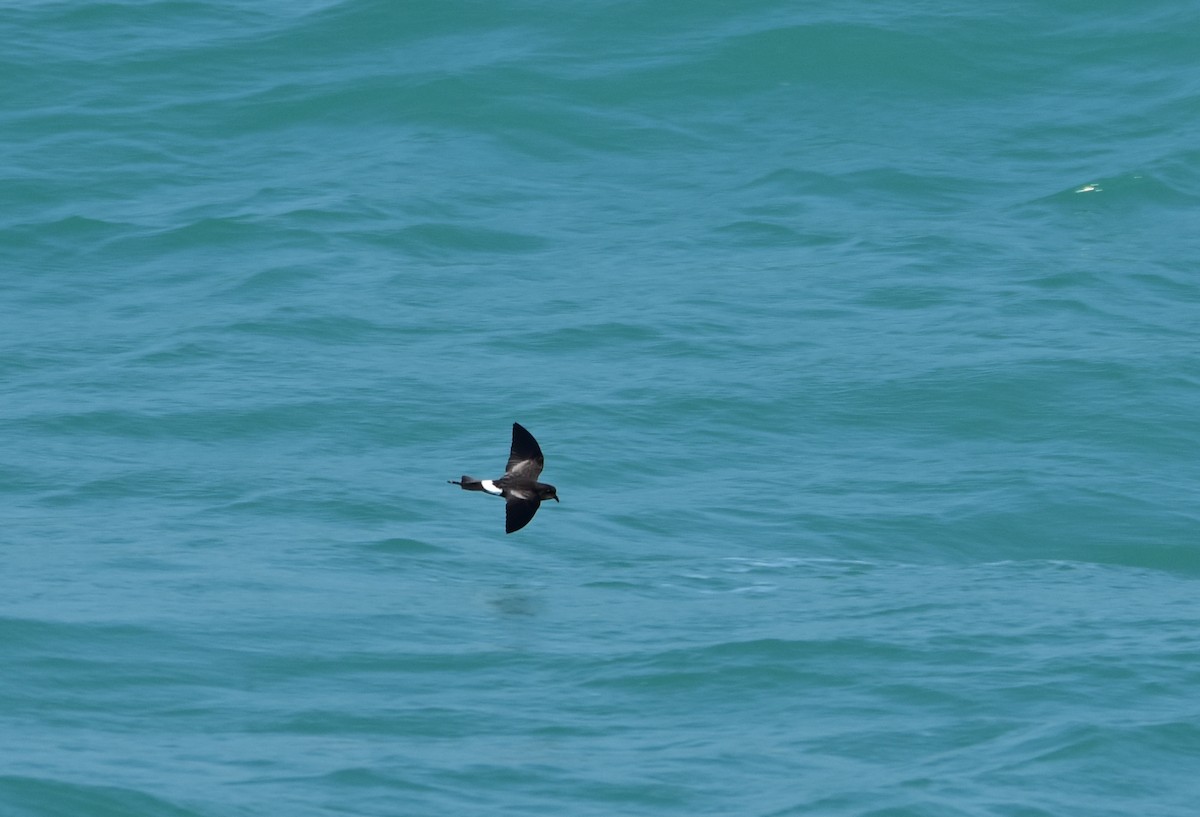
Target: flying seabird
<point>522,492</point>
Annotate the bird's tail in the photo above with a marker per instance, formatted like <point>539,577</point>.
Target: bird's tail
<point>467,483</point>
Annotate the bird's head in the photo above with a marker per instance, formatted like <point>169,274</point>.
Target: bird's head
<point>547,491</point>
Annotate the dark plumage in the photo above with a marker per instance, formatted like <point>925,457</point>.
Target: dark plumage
<point>522,493</point>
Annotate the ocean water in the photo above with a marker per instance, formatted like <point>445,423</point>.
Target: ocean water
<point>861,339</point>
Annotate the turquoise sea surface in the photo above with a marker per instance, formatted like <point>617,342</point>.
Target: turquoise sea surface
<point>862,340</point>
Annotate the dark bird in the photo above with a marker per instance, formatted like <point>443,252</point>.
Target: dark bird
<point>519,486</point>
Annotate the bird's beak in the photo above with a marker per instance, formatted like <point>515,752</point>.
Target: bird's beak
<point>556,499</point>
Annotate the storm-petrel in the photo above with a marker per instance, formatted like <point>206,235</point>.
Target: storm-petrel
<point>519,486</point>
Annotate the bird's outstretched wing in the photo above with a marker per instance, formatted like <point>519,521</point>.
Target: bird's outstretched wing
<point>525,460</point>
<point>518,510</point>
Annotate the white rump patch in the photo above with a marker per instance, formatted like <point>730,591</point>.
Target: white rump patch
<point>490,487</point>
